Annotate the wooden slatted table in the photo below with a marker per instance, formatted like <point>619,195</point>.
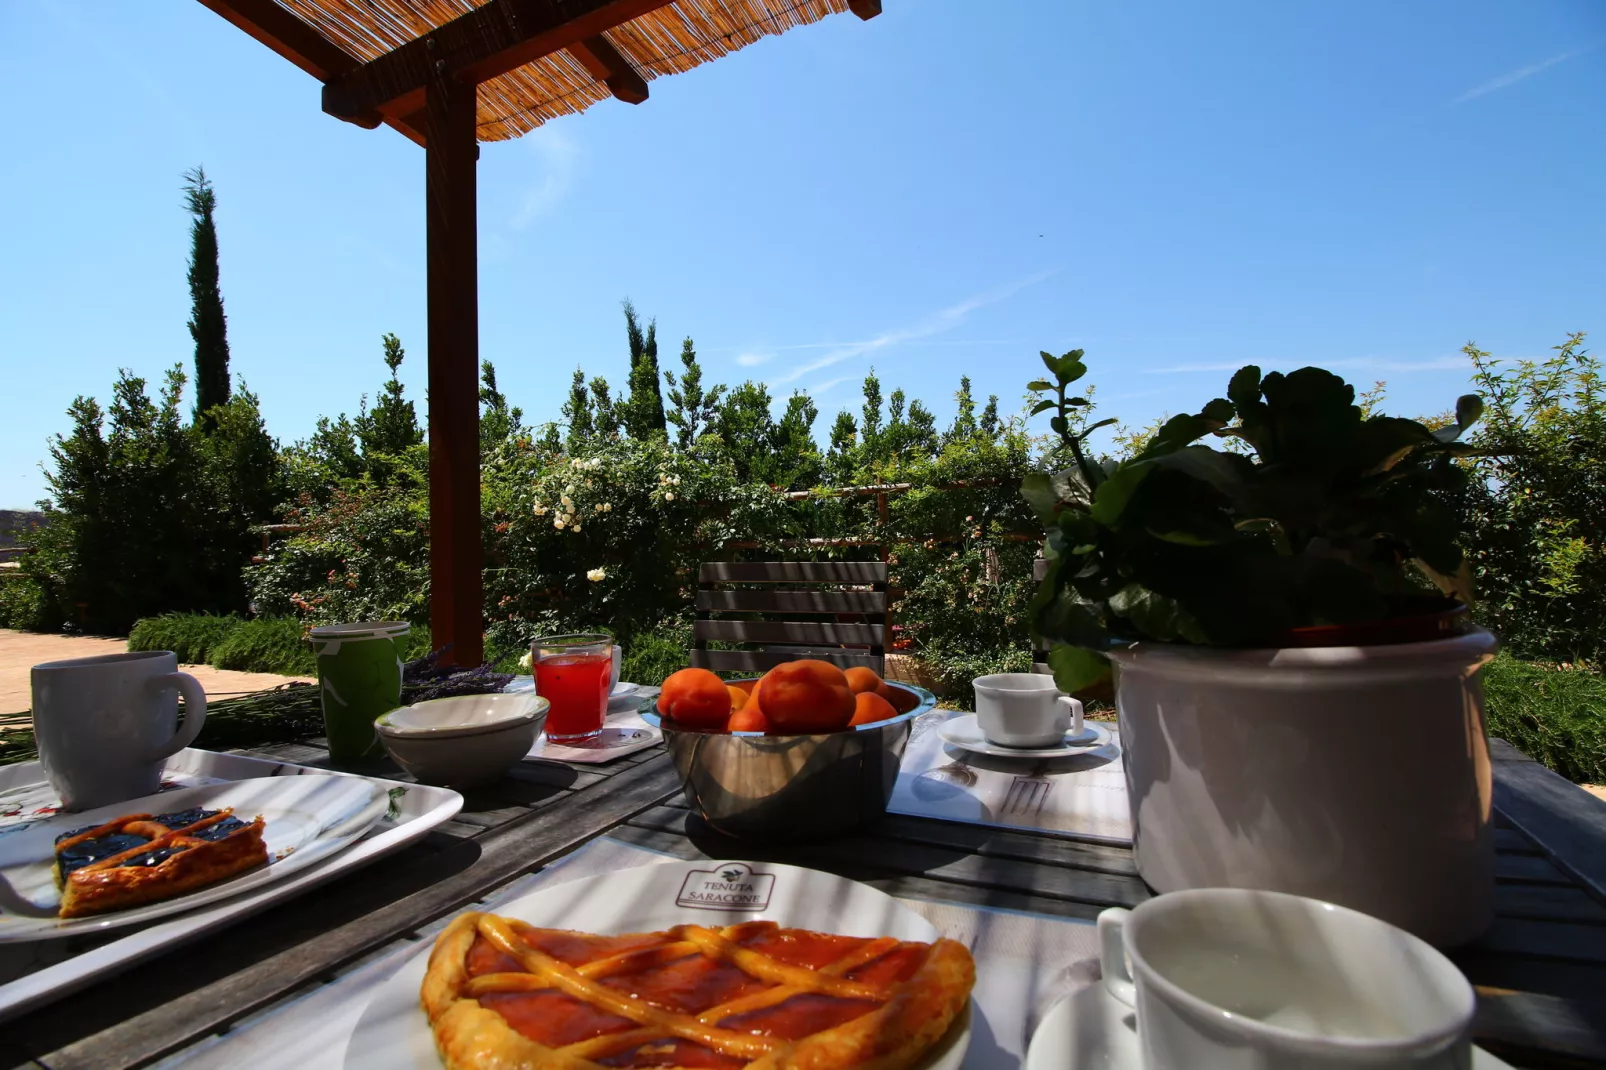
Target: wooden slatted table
<point>1540,971</point>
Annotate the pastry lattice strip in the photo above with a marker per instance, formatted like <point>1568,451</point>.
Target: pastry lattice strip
<point>584,983</point>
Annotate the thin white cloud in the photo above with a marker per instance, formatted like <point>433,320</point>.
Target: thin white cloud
<point>1511,78</point>
<point>753,360</point>
<point>559,158</point>
<point>819,388</point>
<point>943,320</point>
<point>838,345</point>
<point>1381,364</point>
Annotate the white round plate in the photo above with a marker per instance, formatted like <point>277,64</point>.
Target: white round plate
<point>621,689</point>
<point>393,1033</point>
<point>1091,1030</point>
<point>964,733</point>
<point>307,819</point>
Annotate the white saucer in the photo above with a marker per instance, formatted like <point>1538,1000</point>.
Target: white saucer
<point>621,689</point>
<point>964,733</point>
<point>1091,1029</point>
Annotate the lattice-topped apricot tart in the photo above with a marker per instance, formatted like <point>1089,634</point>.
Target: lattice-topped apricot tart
<point>500,993</point>
<point>142,858</point>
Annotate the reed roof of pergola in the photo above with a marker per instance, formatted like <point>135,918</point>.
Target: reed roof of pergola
<point>532,60</point>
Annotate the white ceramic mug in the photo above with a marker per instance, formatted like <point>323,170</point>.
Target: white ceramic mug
<point>106,725</point>
<point>1234,979</point>
<point>1024,709</point>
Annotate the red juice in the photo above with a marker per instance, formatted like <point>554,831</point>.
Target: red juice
<point>577,686</point>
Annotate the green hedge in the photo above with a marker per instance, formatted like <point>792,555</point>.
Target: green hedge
<point>1556,716</point>
<point>266,644</point>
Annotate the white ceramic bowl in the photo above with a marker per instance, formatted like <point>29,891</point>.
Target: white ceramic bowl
<point>466,741</point>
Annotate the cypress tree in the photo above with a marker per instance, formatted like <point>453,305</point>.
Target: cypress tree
<point>989,417</point>
<point>208,325</point>
<point>642,412</point>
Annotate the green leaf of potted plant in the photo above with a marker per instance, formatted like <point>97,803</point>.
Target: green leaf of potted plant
<point>1277,583</point>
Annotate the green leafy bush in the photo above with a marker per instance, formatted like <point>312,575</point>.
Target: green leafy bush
<point>192,636</point>
<point>267,644</point>
<point>24,604</point>
<point>653,654</point>
<point>1536,506</point>
<point>1554,715</point>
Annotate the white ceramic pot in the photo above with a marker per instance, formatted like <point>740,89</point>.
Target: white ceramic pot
<point>1359,775</point>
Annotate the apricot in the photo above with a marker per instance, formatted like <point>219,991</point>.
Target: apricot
<point>804,697</point>
<point>869,707</point>
<point>738,697</point>
<point>749,719</point>
<point>862,679</point>
<point>743,685</point>
<point>899,699</point>
<point>695,698</point>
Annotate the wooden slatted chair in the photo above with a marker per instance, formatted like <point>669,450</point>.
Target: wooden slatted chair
<point>843,605</point>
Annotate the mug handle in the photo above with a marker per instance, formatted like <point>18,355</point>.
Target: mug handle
<point>194,710</point>
<point>1076,713</point>
<point>1112,955</point>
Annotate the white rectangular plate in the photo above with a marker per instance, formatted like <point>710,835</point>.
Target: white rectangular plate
<point>35,973</point>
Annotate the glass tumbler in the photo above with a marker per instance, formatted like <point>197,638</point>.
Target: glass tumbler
<point>574,673</point>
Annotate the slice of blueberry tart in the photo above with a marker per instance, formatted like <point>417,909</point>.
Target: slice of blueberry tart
<point>143,858</point>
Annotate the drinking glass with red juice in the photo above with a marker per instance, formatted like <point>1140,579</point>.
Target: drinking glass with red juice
<point>574,673</point>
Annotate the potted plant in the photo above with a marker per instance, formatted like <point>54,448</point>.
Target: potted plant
<point>1276,583</point>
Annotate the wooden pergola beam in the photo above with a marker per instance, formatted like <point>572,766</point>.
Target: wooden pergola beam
<point>606,65</point>
<point>491,40</point>
<point>865,9</point>
<point>302,44</point>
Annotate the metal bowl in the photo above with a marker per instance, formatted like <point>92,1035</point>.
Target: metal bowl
<point>750,784</point>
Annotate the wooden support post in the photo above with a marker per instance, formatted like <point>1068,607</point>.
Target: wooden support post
<point>456,555</point>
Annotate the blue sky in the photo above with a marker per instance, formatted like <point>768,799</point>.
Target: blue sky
<point>1179,188</point>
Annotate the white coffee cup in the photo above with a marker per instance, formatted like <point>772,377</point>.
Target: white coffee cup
<point>1024,709</point>
<point>106,725</point>
<point>1234,979</point>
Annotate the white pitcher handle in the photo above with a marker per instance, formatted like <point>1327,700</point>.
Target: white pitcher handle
<point>1075,707</point>
<point>194,711</point>
<point>1112,955</point>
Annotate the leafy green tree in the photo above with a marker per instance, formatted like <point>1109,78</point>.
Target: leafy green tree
<point>392,427</point>
<point>694,408</point>
<point>1536,529</point>
<point>795,462</point>
<point>870,423</point>
<point>989,417</point>
<point>641,412</point>
<point>577,411</point>
<point>746,429</point>
<point>841,457</point>
<point>964,425</point>
<point>499,422</point>
<point>605,415</point>
<point>208,325</point>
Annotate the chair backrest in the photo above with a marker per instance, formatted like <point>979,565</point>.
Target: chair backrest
<point>843,605</point>
<point>1040,656</point>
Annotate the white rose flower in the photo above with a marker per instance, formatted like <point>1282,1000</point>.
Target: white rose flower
<point>596,575</point>
<point>575,526</point>
<point>669,496</point>
<point>607,507</point>
<point>524,662</point>
<point>677,481</point>
<point>598,507</point>
<point>569,489</point>
<point>557,522</point>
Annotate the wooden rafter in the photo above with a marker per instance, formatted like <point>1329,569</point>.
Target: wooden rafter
<point>606,65</point>
<point>865,9</point>
<point>491,40</point>
<point>303,45</point>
